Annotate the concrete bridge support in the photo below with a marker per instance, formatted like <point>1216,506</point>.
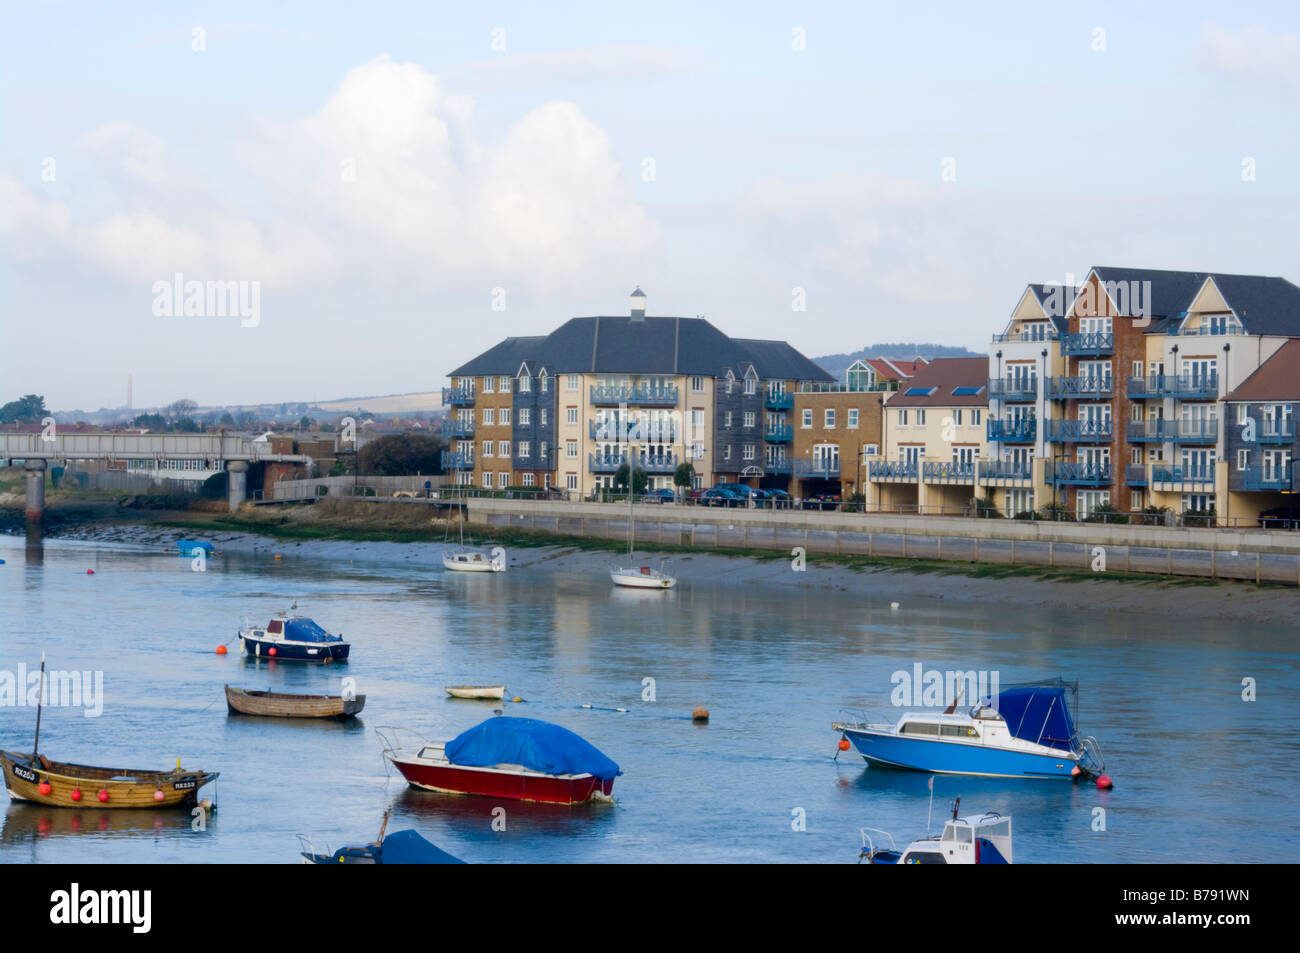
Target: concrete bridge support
<point>237,477</point>
<point>35,498</point>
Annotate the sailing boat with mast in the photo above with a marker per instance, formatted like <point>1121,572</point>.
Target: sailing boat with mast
<point>639,577</point>
<point>467,560</point>
<point>34,777</point>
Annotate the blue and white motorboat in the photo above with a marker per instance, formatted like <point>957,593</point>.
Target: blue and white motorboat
<point>292,639</point>
<point>1025,731</point>
<point>975,839</point>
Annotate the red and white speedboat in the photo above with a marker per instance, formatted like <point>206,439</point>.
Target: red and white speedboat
<point>516,758</point>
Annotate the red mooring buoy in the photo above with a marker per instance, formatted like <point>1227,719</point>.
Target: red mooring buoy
<point>1104,782</point>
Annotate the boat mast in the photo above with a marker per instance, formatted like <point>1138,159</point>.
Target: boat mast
<point>36,744</point>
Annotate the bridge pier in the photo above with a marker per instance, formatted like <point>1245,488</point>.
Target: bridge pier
<point>237,479</point>
<point>35,498</point>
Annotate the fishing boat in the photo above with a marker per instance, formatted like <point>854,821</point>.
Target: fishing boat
<point>292,639</point>
<point>468,560</point>
<point>520,759</point>
<point>34,777</point>
<point>639,577</point>
<point>481,692</point>
<point>282,705</point>
<point>399,847</point>
<point>975,839</point>
<point>1025,731</point>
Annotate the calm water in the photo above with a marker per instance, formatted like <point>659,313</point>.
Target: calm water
<point>1200,775</point>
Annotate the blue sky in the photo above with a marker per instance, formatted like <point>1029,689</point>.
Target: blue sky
<point>1079,134</point>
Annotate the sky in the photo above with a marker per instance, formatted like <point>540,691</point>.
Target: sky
<point>395,187</point>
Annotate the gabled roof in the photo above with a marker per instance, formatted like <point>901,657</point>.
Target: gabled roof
<point>1278,378</point>
<point>1056,300</point>
<point>941,377</point>
<point>502,358</point>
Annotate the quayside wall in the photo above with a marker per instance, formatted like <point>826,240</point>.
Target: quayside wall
<point>1254,555</point>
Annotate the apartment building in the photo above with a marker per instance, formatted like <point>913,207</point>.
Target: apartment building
<point>600,392</point>
<point>1260,438</point>
<point>934,439</point>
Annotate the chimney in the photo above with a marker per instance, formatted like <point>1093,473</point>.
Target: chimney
<point>638,305</point>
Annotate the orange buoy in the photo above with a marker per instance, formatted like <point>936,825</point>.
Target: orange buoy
<point>76,794</point>
<point>221,650</point>
<point>277,555</point>
<point>158,795</point>
<point>844,744</point>
<point>700,714</point>
<point>271,650</point>
<point>102,795</point>
<point>44,787</point>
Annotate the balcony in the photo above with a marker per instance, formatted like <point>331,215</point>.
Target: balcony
<point>642,395</point>
<point>654,431</point>
<point>1135,474</point>
<point>1263,480</point>
<point>1153,386</point>
<point>1095,343</point>
<point>605,463</point>
<point>947,472</point>
<point>1013,388</point>
<point>459,428</point>
<point>1198,477</point>
<point>1026,337</point>
<point>1088,387</point>
<point>657,463</point>
<point>1074,473</point>
<point>781,465</point>
<point>1194,386</point>
<point>779,433</point>
<point>1024,430</point>
<point>775,400</point>
<point>1080,431</point>
<point>893,471</point>
<point>1191,431</point>
<point>455,460</point>
<point>1005,471</point>
<point>458,396</point>
<point>1146,431</point>
<point>1277,433</point>
<point>824,469</point>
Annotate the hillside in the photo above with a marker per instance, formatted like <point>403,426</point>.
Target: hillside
<point>837,364</point>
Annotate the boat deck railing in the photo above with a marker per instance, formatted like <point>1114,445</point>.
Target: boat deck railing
<point>392,745</point>
<point>869,848</point>
<point>1090,752</point>
<point>862,718</point>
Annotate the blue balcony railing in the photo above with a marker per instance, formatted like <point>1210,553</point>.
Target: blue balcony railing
<point>1146,431</point>
<point>991,470</point>
<point>455,460</point>
<point>1275,432</point>
<point>775,400</point>
<point>459,428</point>
<point>893,470</point>
<point>1135,474</point>
<point>954,472</point>
<point>1075,473</point>
<point>1024,430</point>
<point>657,463</point>
<point>1192,431</point>
<point>653,431</point>
<point>817,469</point>
<point>1259,479</point>
<point>778,433</point>
<point>1198,476</point>
<point>1039,333</point>
<point>458,396</point>
<point>642,395</point>
<point>1193,386</point>
<point>1088,387</point>
<point>605,462</point>
<point>1092,343</point>
<point>1146,388</point>
<point>1080,431</point>
<point>1013,388</point>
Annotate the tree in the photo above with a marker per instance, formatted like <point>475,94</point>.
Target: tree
<point>306,423</point>
<point>182,408</point>
<point>185,425</point>
<point>639,479</point>
<point>28,409</point>
<point>150,421</point>
<point>402,455</point>
<point>227,420</point>
<point>684,475</point>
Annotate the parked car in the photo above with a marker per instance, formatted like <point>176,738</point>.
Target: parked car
<point>720,496</point>
<point>821,501</point>
<point>742,492</point>
<point>664,495</point>
<point>1286,516</point>
<point>772,499</point>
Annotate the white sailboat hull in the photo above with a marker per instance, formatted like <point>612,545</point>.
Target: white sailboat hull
<point>642,578</point>
<point>470,562</point>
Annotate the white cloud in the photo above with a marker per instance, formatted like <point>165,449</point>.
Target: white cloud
<point>1253,54</point>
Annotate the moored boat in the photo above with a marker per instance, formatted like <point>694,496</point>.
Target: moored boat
<point>470,561</point>
<point>642,577</point>
<point>292,639</point>
<point>1025,731</point>
<point>516,758</point>
<point>34,777</point>
<point>399,847</point>
<point>283,705</point>
<point>480,692</point>
<point>975,839</point>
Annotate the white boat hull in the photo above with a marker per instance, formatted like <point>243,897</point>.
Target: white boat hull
<point>642,579</point>
<point>488,692</point>
<point>471,562</point>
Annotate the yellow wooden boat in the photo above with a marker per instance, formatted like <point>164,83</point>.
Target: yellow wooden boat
<point>60,784</point>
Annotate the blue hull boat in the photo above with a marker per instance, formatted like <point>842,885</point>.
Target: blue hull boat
<point>1025,731</point>
<point>292,639</point>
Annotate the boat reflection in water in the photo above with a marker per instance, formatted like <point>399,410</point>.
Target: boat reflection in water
<point>28,823</point>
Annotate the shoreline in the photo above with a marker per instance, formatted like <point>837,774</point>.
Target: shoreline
<point>876,578</point>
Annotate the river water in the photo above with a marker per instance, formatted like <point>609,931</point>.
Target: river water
<point>1200,774</point>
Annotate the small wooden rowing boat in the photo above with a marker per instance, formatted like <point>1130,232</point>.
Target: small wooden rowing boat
<point>282,705</point>
<point>36,778</point>
<point>488,692</point>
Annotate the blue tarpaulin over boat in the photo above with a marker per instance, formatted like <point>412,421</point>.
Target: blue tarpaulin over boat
<point>305,630</point>
<point>1039,713</point>
<point>408,847</point>
<point>187,547</point>
<point>538,745</point>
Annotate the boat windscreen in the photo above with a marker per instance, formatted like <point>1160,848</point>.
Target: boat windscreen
<point>305,630</point>
<point>1038,713</point>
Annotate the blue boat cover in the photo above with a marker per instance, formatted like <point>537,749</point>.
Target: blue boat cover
<point>408,847</point>
<point>305,630</point>
<point>1038,713</point>
<point>187,547</point>
<point>538,745</point>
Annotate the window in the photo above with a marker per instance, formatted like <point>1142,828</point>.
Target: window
<point>571,449</point>
<point>1137,369</point>
<point>503,480</point>
<point>505,384</point>
<point>853,418</point>
<point>749,418</point>
<point>749,451</point>
<point>489,387</point>
<point>524,448</point>
<point>487,481</point>
<point>572,384</point>
<point>902,418</point>
<point>727,420</point>
<point>546,383</point>
<point>920,416</point>
<point>489,415</point>
<point>571,415</point>
<point>975,418</point>
<point>542,421</point>
<point>697,452</point>
<point>806,423</point>
<point>697,384</point>
<point>503,448</point>
<point>697,421</point>
<point>750,386</point>
<point>528,479</point>
<point>726,452</point>
<point>1135,499</point>
<point>525,384</point>
<point>505,416</point>
<point>570,481</point>
<point>542,451</point>
<point>830,418</point>
<point>487,448</point>
<point>1243,459</point>
<point>525,416</point>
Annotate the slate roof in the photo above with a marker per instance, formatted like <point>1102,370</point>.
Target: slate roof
<point>1278,378</point>
<point>650,345</point>
<point>1265,305</point>
<point>945,374</point>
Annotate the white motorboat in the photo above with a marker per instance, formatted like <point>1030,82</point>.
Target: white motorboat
<point>975,839</point>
